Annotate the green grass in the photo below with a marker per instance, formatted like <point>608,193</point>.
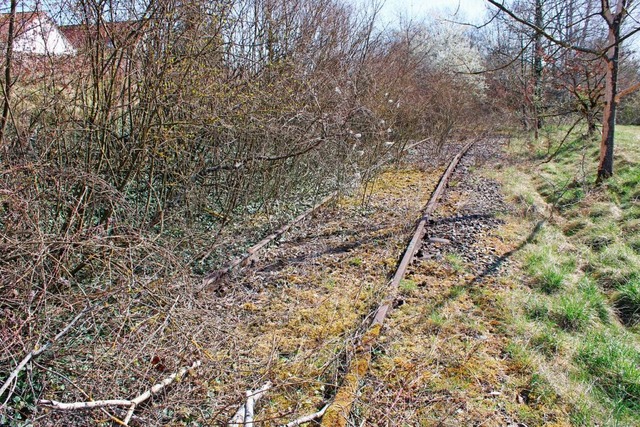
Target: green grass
<point>548,267</point>
<point>595,298</point>
<point>614,265</point>
<point>627,302</point>
<point>455,262</point>
<point>613,366</point>
<point>582,311</point>
<point>550,280</point>
<point>573,312</point>
<point>537,308</point>
<point>599,235</point>
<point>548,342</point>
<point>407,286</point>
<point>355,262</point>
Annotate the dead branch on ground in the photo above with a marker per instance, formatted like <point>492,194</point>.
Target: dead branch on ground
<point>244,415</point>
<point>308,418</point>
<point>36,352</point>
<point>132,404</point>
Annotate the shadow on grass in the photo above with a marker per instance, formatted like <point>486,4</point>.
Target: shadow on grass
<point>495,265</point>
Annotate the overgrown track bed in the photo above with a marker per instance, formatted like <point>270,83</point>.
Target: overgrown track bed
<point>442,358</point>
<point>293,318</point>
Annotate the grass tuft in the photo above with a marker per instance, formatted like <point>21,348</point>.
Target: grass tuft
<point>546,274</point>
<point>547,342</point>
<point>627,302</point>
<point>613,366</point>
<point>537,309</point>
<point>550,280</point>
<point>594,297</point>
<point>614,265</point>
<point>574,226</point>
<point>573,313</point>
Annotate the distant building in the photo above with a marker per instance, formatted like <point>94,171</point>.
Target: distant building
<point>35,33</point>
<point>111,35</point>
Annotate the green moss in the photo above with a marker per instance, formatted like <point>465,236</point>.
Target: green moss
<point>355,262</point>
<point>407,286</point>
<point>455,262</point>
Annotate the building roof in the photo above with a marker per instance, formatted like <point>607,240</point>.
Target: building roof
<point>113,34</point>
<point>35,33</point>
<point>23,22</point>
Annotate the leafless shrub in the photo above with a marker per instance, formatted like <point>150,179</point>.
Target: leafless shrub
<point>175,135</point>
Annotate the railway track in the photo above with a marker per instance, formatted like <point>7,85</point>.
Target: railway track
<point>354,357</point>
<point>307,311</point>
<point>337,413</point>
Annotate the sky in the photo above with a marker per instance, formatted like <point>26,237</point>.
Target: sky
<point>468,10</point>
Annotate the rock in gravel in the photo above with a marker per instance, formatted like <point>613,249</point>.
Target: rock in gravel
<point>476,216</point>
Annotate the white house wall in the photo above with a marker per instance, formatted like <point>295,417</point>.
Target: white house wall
<point>42,38</point>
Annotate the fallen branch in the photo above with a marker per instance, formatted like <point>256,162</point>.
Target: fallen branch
<point>308,418</point>
<point>84,405</point>
<point>246,258</point>
<point>132,404</point>
<point>36,352</point>
<point>338,411</point>
<point>245,413</point>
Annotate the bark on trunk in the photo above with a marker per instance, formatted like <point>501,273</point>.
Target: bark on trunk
<point>7,70</point>
<point>614,22</point>
<point>537,70</point>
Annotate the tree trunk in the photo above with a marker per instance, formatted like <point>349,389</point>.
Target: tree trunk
<point>614,21</point>
<point>7,71</point>
<point>537,70</point>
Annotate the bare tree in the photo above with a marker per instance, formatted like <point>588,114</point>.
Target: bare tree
<point>8,64</point>
<point>613,16</point>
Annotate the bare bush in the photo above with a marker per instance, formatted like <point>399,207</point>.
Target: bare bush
<point>176,134</point>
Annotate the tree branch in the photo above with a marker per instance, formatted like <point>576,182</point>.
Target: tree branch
<point>36,352</point>
<point>308,418</point>
<point>245,413</point>
<point>627,91</point>
<point>542,31</point>
<point>132,404</point>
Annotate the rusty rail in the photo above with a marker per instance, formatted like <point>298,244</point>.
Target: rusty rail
<point>337,413</point>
